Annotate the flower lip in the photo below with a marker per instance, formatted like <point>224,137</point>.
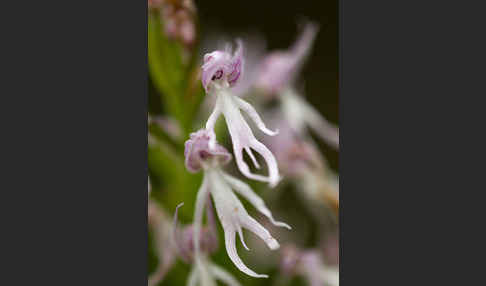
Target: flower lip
<point>221,65</point>
<point>197,152</point>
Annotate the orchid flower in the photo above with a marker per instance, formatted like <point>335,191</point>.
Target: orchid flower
<point>222,188</point>
<point>277,75</point>
<point>300,160</point>
<point>220,72</point>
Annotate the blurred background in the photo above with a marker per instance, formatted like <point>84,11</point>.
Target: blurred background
<point>314,227</point>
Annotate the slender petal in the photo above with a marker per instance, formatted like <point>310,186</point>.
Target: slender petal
<point>222,275</point>
<point>242,239</point>
<point>245,190</point>
<point>233,217</point>
<point>193,277</point>
<point>255,227</point>
<point>210,125</point>
<point>230,243</point>
<point>252,157</point>
<point>205,276</point>
<point>250,110</point>
<point>175,231</point>
<point>198,214</point>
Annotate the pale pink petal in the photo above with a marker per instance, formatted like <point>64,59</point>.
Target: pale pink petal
<point>242,239</point>
<point>273,176</point>
<point>202,196</point>
<point>230,243</point>
<point>255,227</point>
<point>245,190</point>
<point>250,110</point>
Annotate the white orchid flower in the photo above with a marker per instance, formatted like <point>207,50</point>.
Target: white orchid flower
<point>222,188</point>
<point>220,72</point>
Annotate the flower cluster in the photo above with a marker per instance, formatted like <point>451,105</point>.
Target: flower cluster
<point>279,147</point>
<point>223,189</point>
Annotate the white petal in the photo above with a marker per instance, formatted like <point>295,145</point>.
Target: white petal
<point>240,234</point>
<point>175,230</point>
<point>212,122</point>
<point>245,190</point>
<point>273,176</point>
<point>255,162</point>
<point>193,277</point>
<point>229,238</point>
<point>201,198</point>
<point>205,277</point>
<point>255,227</point>
<point>250,110</point>
<point>222,275</point>
<point>243,167</point>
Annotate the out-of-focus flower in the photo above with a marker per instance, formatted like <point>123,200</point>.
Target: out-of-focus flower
<point>178,17</point>
<point>279,69</point>
<point>155,4</point>
<point>308,264</point>
<point>301,161</point>
<point>301,114</point>
<point>222,187</point>
<point>161,227</point>
<point>277,75</point>
<point>168,125</point>
<point>295,154</point>
<point>220,72</point>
